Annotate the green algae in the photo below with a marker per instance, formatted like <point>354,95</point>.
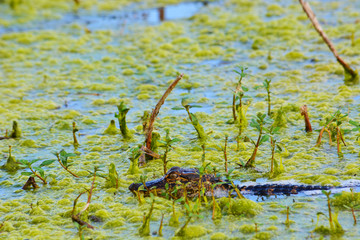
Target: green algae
<point>217,32</point>
<point>244,207</point>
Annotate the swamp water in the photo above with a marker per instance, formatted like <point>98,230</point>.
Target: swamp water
<point>59,65</point>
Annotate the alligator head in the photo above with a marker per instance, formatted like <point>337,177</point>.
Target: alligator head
<point>178,181</point>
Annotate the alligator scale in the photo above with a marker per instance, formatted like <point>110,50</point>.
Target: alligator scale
<point>188,179</point>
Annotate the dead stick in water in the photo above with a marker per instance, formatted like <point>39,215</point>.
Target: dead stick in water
<point>304,112</point>
<point>316,24</point>
<point>155,112</point>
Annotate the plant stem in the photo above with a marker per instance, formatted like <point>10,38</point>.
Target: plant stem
<point>273,145</point>
<point>251,161</point>
<point>161,225</point>
<point>225,155</point>
<point>304,113</point>
<point>74,135</point>
<point>234,107</point>
<point>57,155</point>
<point>43,180</point>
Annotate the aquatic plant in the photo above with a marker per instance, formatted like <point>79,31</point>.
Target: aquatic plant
<point>266,84</point>
<point>161,225</point>
<point>36,171</point>
<point>304,112</point>
<point>15,133</point>
<point>353,205</point>
<point>194,121</point>
<point>76,218</point>
<point>111,129</point>
<point>135,153</point>
<point>229,178</point>
<point>62,158</point>
<point>11,164</point>
<point>144,230</point>
<point>121,116</point>
<point>216,210</point>
<point>275,147</point>
<point>112,180</point>
<point>335,227</point>
<point>239,92</point>
<point>75,129</point>
<point>167,144</point>
<point>145,120</point>
<point>257,123</point>
<point>332,127</point>
<point>191,213</point>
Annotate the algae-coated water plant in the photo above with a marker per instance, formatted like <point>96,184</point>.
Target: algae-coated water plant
<point>178,119</point>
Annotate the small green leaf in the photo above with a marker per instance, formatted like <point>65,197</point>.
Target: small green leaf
<point>264,139</point>
<point>46,163</point>
<point>177,108</point>
<point>34,161</point>
<point>26,173</point>
<point>40,170</point>
<point>25,163</point>
<point>195,106</point>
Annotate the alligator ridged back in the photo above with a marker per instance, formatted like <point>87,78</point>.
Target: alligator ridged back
<point>273,189</point>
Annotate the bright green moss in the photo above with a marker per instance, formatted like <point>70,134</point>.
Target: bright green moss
<point>193,231</point>
<point>247,228</point>
<point>218,236</point>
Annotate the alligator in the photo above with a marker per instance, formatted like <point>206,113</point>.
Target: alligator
<point>179,180</point>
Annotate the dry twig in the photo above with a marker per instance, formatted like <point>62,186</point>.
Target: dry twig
<point>317,26</point>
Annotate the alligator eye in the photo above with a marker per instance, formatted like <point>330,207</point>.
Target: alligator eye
<point>173,175</point>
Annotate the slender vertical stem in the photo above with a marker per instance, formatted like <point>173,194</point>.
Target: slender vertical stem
<point>234,107</point>
<point>225,155</point>
<point>43,180</point>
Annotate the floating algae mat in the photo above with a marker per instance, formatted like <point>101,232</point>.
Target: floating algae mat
<point>65,62</point>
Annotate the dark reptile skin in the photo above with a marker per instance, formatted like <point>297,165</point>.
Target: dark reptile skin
<point>189,179</point>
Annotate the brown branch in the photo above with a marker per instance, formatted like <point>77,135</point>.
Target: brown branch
<point>304,113</point>
<point>317,26</point>
<point>76,218</point>
<point>149,152</point>
<point>30,182</point>
<point>155,112</point>
<point>57,155</point>
<point>43,180</point>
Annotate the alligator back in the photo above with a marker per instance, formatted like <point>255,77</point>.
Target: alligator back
<point>277,189</point>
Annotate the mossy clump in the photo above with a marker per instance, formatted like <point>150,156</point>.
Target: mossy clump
<point>247,228</point>
<point>218,236</point>
<point>262,236</point>
<point>346,199</point>
<point>11,164</point>
<point>111,129</point>
<point>192,231</point>
<point>241,207</point>
<point>114,223</point>
<point>295,56</point>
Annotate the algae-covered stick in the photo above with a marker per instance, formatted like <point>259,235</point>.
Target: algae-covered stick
<point>317,26</point>
<point>155,112</point>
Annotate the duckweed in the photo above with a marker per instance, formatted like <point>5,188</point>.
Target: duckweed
<point>61,73</point>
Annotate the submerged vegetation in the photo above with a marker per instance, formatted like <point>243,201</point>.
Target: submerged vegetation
<point>67,77</point>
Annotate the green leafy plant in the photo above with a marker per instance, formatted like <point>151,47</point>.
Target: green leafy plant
<point>333,128</point>
<point>194,121</point>
<point>257,123</point>
<point>353,205</point>
<point>63,159</point>
<point>36,171</point>
<point>239,90</point>
<point>275,147</point>
<point>192,212</point>
<point>144,230</point>
<point>167,144</point>
<point>335,227</point>
<point>121,116</point>
<point>216,210</point>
